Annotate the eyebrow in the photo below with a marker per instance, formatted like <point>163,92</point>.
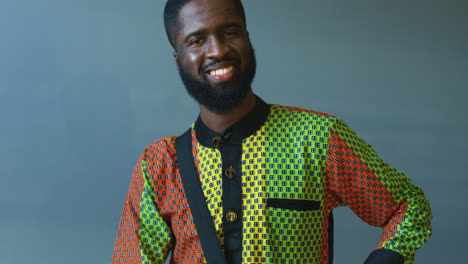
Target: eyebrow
<point>201,32</point>
<point>228,25</point>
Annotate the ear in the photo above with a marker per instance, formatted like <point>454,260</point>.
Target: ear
<point>174,55</point>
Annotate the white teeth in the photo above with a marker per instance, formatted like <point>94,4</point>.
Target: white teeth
<point>222,71</point>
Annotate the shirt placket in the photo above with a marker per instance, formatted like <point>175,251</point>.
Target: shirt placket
<point>231,153</point>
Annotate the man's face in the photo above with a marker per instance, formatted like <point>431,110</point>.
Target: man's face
<point>215,59</point>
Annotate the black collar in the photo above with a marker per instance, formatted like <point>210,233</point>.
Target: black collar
<point>238,131</point>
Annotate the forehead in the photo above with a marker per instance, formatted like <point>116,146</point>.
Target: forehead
<point>205,14</point>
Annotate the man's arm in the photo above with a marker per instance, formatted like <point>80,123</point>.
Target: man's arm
<point>378,194</point>
<point>144,236</point>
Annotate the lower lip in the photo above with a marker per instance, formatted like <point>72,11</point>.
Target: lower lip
<point>224,77</point>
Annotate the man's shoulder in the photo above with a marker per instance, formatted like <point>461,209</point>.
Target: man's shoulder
<point>300,113</point>
<point>163,147</point>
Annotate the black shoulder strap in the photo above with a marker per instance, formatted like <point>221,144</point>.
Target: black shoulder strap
<point>197,201</point>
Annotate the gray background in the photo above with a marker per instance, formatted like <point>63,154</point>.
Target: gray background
<point>85,85</point>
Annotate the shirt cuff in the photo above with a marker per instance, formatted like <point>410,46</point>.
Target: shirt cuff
<point>385,256</point>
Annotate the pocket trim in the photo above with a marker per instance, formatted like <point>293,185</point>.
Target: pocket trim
<point>293,204</point>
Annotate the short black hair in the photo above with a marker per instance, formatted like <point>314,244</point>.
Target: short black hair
<point>171,17</point>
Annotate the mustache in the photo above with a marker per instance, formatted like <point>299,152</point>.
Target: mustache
<point>216,63</point>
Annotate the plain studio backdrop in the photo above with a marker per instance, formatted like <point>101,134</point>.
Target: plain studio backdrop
<point>85,85</point>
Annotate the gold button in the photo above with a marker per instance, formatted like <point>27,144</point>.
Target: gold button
<point>231,216</point>
<point>230,172</point>
<point>217,141</point>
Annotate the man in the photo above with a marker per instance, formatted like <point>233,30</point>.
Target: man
<point>261,180</point>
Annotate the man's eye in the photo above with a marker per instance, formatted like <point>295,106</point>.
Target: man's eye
<point>195,42</point>
<point>230,33</point>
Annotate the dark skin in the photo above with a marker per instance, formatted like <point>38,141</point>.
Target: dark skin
<point>213,38</point>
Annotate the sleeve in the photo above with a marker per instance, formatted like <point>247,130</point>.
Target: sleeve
<point>144,236</point>
<point>378,194</point>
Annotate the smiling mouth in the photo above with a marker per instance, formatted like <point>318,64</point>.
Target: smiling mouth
<point>221,74</point>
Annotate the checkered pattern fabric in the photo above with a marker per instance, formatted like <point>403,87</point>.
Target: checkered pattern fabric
<point>295,169</point>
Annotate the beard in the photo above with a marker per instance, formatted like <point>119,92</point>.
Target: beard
<point>222,97</point>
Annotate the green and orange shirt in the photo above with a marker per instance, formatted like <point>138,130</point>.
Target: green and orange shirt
<point>271,182</point>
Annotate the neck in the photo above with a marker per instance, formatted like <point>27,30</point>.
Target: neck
<point>219,122</point>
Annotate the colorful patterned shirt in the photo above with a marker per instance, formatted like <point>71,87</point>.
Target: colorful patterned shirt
<point>271,182</point>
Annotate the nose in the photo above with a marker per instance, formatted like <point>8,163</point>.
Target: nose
<point>216,48</point>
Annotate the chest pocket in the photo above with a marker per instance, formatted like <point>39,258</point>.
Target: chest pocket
<point>295,230</point>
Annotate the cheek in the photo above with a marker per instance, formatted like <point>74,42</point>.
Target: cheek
<point>193,61</point>
<point>245,49</point>
<point>247,55</point>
